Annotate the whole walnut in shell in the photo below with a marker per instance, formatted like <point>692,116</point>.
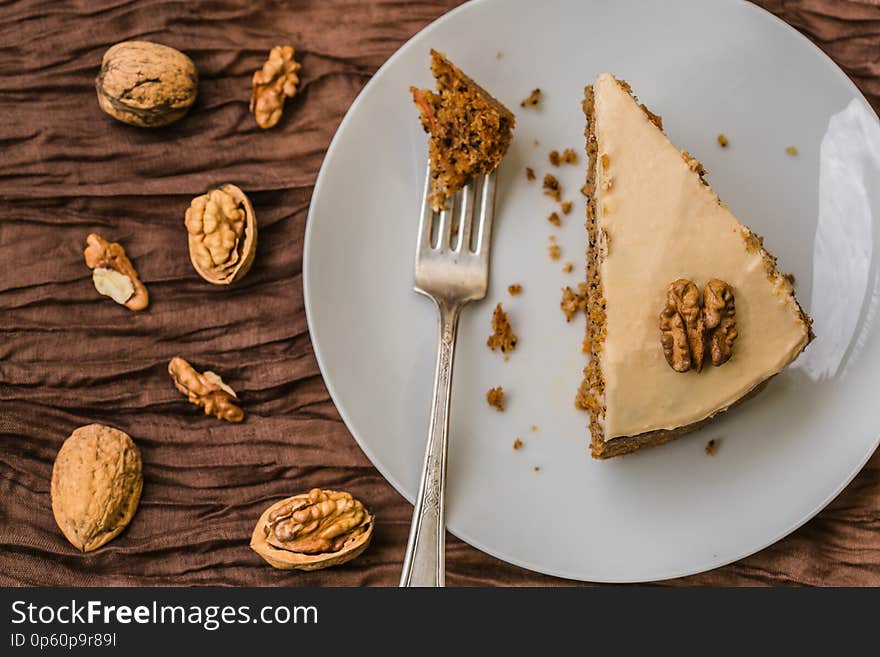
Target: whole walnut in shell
<point>96,485</point>
<point>222,230</point>
<point>314,530</point>
<point>146,84</point>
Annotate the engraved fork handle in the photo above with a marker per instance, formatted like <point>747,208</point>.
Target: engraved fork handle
<point>425,560</point>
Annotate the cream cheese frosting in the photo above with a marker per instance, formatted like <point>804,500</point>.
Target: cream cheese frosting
<point>658,221</point>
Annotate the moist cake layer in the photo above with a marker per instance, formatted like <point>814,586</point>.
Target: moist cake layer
<point>469,130</point>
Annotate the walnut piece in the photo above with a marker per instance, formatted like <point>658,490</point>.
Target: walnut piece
<point>96,485</point>
<point>692,329</point>
<point>100,256</point>
<point>682,327</point>
<point>206,389</point>
<point>222,234</point>
<point>314,530</point>
<point>720,317</point>
<point>273,83</point>
<point>111,283</point>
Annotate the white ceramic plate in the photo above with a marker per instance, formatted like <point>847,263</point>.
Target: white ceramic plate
<point>706,67</point>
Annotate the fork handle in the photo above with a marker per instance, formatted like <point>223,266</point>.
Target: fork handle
<point>425,560</point>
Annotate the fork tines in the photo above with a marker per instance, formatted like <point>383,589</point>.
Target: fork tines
<point>463,225</point>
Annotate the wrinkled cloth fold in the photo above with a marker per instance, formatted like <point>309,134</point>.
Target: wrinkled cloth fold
<point>70,357</point>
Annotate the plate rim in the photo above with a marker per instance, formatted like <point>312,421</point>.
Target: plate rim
<point>320,181</point>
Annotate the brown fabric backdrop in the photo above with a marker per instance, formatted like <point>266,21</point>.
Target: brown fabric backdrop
<point>69,357</point>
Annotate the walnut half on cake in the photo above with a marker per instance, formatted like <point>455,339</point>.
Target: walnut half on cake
<point>655,225</point>
<point>469,130</point>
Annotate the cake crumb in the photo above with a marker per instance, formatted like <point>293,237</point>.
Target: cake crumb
<point>517,444</point>
<point>566,207</point>
<point>552,188</point>
<point>514,289</point>
<point>534,427</point>
<point>536,143</point>
<point>554,251</point>
<point>722,140</point>
<point>791,150</point>
<point>502,336</point>
<point>554,219</point>
<point>495,398</point>
<point>790,278</point>
<point>572,302</point>
<point>693,164</point>
<point>712,447</point>
<point>533,100</point>
<point>568,268</point>
<point>585,190</point>
<point>585,346</point>
<point>530,173</point>
<point>537,468</point>
<point>499,55</point>
<point>568,156</point>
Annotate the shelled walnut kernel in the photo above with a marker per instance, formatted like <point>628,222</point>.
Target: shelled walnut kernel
<point>113,275</point>
<point>274,82</point>
<point>206,390</point>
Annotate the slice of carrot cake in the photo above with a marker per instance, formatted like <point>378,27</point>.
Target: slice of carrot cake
<point>469,130</point>
<point>687,313</point>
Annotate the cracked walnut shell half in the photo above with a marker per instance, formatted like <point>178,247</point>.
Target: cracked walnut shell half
<point>222,234</point>
<point>314,530</point>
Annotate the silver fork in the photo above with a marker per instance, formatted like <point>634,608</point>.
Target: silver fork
<point>452,270</point>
